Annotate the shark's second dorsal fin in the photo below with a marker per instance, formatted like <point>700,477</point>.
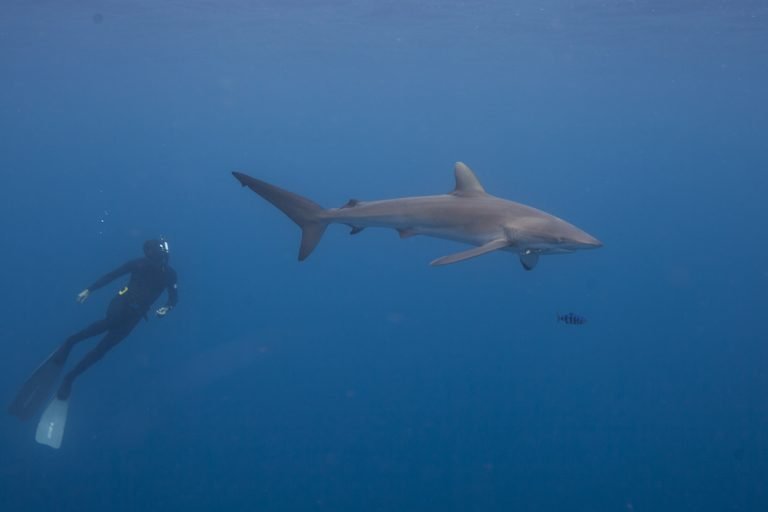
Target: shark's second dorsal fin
<point>467,183</point>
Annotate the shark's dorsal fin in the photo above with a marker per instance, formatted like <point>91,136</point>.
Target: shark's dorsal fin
<point>467,183</point>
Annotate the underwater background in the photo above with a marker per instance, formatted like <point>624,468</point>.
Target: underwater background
<point>362,378</point>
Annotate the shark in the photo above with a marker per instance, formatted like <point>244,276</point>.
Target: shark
<point>467,214</point>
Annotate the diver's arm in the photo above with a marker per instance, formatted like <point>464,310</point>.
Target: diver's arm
<point>108,278</point>
<point>173,295</point>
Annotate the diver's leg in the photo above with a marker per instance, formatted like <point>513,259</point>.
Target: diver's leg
<point>115,313</point>
<point>112,338</point>
<point>94,329</point>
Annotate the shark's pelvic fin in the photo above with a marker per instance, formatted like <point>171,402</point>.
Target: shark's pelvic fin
<point>307,214</point>
<point>529,259</point>
<point>467,183</point>
<point>493,245</point>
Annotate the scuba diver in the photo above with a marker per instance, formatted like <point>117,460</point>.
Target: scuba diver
<point>149,276</point>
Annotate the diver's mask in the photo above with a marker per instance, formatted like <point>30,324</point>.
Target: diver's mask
<point>157,251</point>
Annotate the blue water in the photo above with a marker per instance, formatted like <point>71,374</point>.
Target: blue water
<point>362,378</point>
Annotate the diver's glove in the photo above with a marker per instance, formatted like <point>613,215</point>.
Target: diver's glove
<point>163,311</point>
<point>83,295</point>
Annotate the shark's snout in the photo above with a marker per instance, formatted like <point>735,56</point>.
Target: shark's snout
<point>584,241</point>
<point>574,239</point>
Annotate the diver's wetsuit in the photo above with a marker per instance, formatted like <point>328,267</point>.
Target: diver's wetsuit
<point>148,280</point>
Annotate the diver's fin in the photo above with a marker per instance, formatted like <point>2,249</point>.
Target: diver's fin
<point>493,245</point>
<point>37,389</point>
<point>529,259</point>
<point>50,430</point>
<point>307,214</point>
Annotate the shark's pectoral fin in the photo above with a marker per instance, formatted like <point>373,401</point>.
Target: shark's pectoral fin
<point>529,259</point>
<point>355,229</point>
<point>407,232</point>
<point>493,245</point>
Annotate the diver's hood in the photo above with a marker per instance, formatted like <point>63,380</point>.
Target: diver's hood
<point>157,251</point>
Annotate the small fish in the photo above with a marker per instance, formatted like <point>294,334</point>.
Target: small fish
<point>571,318</point>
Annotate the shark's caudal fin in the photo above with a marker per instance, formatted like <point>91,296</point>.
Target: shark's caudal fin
<point>302,211</point>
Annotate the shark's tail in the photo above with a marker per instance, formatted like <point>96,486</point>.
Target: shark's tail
<point>302,211</point>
